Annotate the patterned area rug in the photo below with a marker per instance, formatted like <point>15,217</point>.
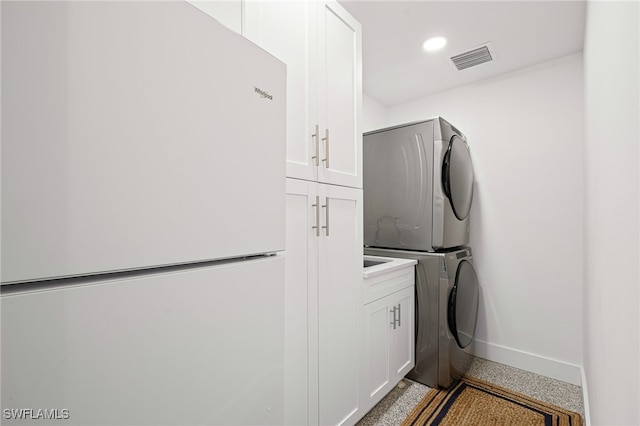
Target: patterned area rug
<point>474,402</point>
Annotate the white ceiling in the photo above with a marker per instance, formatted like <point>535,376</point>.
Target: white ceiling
<point>523,33</point>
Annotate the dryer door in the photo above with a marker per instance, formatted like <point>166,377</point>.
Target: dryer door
<point>462,311</point>
<point>457,177</point>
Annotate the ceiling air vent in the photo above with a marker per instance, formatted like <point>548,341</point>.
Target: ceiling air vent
<point>473,57</point>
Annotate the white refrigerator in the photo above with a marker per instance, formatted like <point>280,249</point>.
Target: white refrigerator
<point>142,217</point>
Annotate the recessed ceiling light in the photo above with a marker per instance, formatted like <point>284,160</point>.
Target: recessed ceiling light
<point>434,43</point>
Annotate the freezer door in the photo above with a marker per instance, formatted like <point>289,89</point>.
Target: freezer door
<point>135,134</point>
<point>198,346</point>
<point>398,187</point>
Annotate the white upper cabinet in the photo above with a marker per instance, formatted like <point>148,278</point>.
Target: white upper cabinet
<point>227,12</point>
<point>321,45</point>
<point>340,96</point>
<point>287,30</point>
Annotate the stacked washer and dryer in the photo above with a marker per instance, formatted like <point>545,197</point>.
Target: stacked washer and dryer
<point>418,189</point>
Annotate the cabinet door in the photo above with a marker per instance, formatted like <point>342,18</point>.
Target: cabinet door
<point>301,280</point>
<point>402,340</point>
<point>376,334</point>
<point>227,12</point>
<point>339,296</point>
<point>388,336</point>
<point>287,30</point>
<point>340,96</point>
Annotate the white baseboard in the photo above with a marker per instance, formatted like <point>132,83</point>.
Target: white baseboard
<point>548,367</point>
<point>585,398</point>
<point>544,366</point>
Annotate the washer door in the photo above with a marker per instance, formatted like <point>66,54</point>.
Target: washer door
<point>457,177</point>
<point>462,311</point>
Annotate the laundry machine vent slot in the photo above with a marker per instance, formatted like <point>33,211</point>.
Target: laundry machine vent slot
<point>473,57</point>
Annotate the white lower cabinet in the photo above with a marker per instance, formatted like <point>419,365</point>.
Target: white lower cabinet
<point>388,353</point>
<point>323,303</point>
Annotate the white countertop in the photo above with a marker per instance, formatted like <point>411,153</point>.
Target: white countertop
<point>390,264</point>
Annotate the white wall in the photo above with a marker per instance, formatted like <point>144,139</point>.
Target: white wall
<point>374,114</point>
<point>612,212</point>
<point>525,132</point>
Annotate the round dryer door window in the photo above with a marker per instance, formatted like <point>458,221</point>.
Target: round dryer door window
<point>457,177</point>
<point>463,304</point>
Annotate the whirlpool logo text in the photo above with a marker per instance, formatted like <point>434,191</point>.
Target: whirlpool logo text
<point>263,94</point>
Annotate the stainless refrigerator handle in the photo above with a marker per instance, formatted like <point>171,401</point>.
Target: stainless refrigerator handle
<point>326,215</point>
<point>317,206</point>
<point>315,137</point>
<point>326,148</point>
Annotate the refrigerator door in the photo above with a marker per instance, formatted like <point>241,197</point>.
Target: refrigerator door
<point>202,345</point>
<point>135,134</point>
<point>398,187</point>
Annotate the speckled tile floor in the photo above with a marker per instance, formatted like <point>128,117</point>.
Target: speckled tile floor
<point>395,407</point>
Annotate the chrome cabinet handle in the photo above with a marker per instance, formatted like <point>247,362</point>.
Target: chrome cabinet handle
<point>393,323</point>
<point>315,137</point>
<point>326,148</point>
<point>396,320</point>
<point>326,215</point>
<point>317,206</point>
